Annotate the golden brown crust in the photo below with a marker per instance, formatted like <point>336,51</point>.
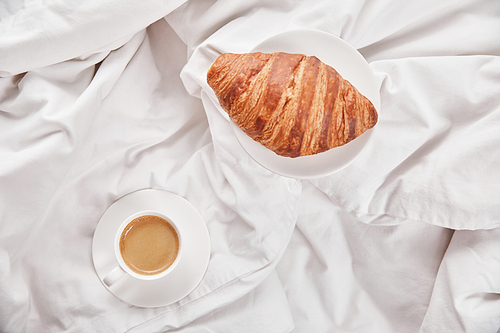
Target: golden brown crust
<point>293,104</point>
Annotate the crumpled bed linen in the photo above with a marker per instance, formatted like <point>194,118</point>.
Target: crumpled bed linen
<point>100,100</point>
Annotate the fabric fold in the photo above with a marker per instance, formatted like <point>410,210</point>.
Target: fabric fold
<point>437,170</point>
<point>61,31</point>
<point>98,100</point>
<point>466,295</point>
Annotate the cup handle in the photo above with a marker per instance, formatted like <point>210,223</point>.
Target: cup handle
<point>113,276</point>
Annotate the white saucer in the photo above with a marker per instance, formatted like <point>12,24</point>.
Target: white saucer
<point>353,67</point>
<point>188,273</point>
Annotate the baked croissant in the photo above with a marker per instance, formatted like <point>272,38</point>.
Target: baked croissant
<point>293,104</point>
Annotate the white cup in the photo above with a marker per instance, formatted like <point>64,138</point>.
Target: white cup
<point>122,269</point>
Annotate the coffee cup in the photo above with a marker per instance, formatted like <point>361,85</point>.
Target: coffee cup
<point>147,245</point>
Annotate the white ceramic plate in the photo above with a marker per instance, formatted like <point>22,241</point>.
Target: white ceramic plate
<point>188,273</point>
<point>353,67</point>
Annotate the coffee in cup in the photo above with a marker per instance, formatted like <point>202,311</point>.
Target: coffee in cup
<point>147,246</point>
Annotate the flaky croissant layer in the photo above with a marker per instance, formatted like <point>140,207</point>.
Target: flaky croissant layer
<point>293,104</point>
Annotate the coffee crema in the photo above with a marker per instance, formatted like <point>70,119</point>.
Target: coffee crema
<point>149,245</point>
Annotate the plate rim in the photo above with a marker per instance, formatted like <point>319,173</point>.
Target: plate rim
<point>244,142</point>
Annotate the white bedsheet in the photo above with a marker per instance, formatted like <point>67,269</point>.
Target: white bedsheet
<point>98,100</point>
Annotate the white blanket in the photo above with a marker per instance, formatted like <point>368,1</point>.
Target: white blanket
<point>100,99</point>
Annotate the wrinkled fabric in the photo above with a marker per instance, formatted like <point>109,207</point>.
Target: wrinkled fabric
<point>101,100</point>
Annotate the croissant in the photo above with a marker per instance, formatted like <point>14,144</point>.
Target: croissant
<point>293,104</point>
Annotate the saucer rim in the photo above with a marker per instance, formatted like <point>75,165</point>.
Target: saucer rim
<point>204,248</point>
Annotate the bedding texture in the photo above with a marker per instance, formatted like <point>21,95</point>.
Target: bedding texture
<point>101,99</point>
